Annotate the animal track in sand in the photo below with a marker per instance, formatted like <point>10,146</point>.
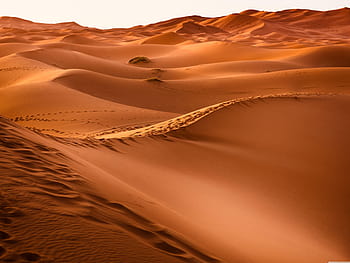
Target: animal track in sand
<point>32,257</point>
<point>27,257</point>
<point>119,215</point>
<point>54,117</point>
<point>4,235</point>
<point>31,116</point>
<point>17,68</point>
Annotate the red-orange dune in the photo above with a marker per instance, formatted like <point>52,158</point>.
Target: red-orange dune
<point>196,139</point>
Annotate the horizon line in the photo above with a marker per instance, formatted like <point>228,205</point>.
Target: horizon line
<point>168,19</point>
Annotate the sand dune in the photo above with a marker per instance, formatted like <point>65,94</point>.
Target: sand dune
<point>237,23</point>
<point>66,59</point>
<point>330,56</point>
<point>77,39</point>
<point>194,139</point>
<point>170,38</point>
<point>248,150</point>
<point>194,28</point>
<point>18,23</point>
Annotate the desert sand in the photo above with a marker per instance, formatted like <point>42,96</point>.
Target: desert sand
<point>195,139</point>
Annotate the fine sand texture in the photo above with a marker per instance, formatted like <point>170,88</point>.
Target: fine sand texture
<point>199,140</point>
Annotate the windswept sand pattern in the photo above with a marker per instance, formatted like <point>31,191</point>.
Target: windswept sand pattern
<point>40,172</point>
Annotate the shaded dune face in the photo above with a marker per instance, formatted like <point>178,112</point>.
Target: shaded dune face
<point>274,173</point>
<point>199,140</point>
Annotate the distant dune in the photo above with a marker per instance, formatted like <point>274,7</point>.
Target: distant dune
<point>195,139</point>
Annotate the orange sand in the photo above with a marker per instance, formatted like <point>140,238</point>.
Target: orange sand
<point>231,144</point>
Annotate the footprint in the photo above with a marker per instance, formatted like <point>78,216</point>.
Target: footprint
<point>5,220</point>
<point>2,251</point>
<point>131,214</point>
<point>4,235</point>
<point>32,257</point>
<point>166,247</point>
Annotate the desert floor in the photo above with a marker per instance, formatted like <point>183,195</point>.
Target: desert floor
<point>196,139</point>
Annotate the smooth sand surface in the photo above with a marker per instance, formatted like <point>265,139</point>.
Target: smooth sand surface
<point>225,140</point>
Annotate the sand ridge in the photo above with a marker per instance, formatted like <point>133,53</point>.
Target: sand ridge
<point>188,119</point>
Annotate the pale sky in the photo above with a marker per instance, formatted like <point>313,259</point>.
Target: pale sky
<point>127,13</point>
